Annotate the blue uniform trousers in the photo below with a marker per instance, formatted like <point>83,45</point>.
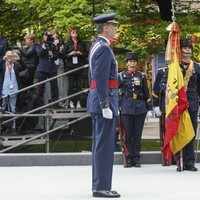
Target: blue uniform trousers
<point>133,125</point>
<point>188,150</point>
<point>102,151</point>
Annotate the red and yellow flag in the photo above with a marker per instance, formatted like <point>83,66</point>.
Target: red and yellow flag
<point>179,129</point>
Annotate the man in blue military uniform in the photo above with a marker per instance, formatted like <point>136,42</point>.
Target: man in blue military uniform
<point>191,74</point>
<point>103,105</point>
<point>134,103</point>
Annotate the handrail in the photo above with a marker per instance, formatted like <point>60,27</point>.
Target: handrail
<point>47,80</point>
<point>45,133</point>
<point>26,114</point>
<point>46,105</point>
<point>42,82</point>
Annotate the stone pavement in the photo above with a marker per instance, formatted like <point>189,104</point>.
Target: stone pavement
<point>150,182</point>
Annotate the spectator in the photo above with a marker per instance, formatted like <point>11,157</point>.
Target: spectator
<point>75,54</point>
<point>9,83</point>
<point>3,48</point>
<point>62,81</point>
<point>46,67</point>
<point>29,57</point>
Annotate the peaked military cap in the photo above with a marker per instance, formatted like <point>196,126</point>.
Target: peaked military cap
<point>131,56</point>
<point>103,18</point>
<point>186,42</point>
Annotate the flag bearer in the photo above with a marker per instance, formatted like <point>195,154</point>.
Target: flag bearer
<point>191,75</point>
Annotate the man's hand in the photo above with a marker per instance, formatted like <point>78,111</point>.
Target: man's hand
<point>157,111</point>
<point>107,113</point>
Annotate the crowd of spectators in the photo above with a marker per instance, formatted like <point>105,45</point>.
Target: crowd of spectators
<point>31,62</point>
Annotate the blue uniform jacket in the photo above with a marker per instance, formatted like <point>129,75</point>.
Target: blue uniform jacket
<point>46,64</point>
<point>193,90</point>
<point>103,66</point>
<point>134,93</point>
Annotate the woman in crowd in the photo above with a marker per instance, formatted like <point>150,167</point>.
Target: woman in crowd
<point>10,83</point>
<point>75,54</point>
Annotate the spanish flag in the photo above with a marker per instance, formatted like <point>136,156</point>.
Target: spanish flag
<point>179,130</point>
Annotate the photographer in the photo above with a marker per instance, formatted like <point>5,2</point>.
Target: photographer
<point>46,68</point>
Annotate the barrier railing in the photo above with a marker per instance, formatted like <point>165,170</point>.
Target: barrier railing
<point>29,113</point>
<point>49,104</point>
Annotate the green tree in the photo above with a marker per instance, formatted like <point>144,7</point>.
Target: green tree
<point>140,29</point>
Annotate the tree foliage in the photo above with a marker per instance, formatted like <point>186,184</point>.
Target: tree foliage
<point>140,29</point>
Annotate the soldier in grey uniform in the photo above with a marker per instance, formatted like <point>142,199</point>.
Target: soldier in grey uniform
<point>103,105</point>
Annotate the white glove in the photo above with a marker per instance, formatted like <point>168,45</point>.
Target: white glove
<point>149,114</point>
<point>157,111</point>
<point>107,113</point>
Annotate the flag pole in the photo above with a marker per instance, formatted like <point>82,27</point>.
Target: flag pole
<point>180,161</point>
<point>173,12</point>
<point>198,138</point>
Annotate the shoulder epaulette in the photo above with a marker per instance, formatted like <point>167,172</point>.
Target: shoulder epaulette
<point>163,68</point>
<point>120,75</point>
<point>142,73</point>
<point>196,63</point>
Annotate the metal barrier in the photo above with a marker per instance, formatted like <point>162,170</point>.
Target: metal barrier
<point>45,133</point>
<point>47,115</point>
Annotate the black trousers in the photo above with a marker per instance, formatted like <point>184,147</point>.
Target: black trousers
<point>75,84</point>
<point>133,126</point>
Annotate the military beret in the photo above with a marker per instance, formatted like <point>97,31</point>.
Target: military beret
<point>131,56</point>
<point>103,18</point>
<point>186,42</point>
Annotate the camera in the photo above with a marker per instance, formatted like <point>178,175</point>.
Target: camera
<point>49,36</point>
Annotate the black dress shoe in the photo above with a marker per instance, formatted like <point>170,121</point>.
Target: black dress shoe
<point>106,194</point>
<point>129,163</point>
<point>178,169</point>
<point>190,168</point>
<point>136,164</point>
